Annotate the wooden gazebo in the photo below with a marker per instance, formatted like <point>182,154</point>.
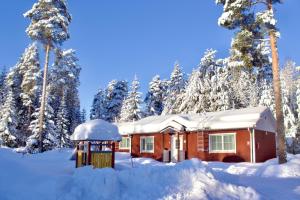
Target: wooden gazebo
<point>95,143</point>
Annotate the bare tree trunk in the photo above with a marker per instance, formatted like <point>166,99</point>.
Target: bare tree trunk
<point>277,93</point>
<point>43,103</point>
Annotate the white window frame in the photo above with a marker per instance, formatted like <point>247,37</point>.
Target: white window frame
<point>146,151</point>
<point>222,151</point>
<point>125,148</point>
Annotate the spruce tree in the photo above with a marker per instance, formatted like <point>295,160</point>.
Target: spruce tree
<point>83,116</point>
<point>116,92</point>
<point>2,86</point>
<point>222,92</point>
<point>50,134</point>
<point>265,79</point>
<point>98,109</point>
<point>192,100</point>
<point>49,25</point>
<point>64,79</point>
<point>62,125</point>
<point>131,107</point>
<point>176,85</point>
<point>29,69</point>
<point>208,68</point>
<point>8,122</point>
<point>154,101</point>
<point>11,109</point>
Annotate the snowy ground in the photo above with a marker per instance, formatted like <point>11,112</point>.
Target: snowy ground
<point>52,176</point>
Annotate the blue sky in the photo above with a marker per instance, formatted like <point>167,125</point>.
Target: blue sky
<point>117,39</point>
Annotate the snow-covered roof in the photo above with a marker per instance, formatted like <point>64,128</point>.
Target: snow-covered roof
<point>96,130</point>
<point>260,118</point>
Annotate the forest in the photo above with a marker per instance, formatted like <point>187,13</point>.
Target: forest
<point>40,107</point>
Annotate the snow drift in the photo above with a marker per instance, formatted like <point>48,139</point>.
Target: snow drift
<point>186,180</point>
<point>51,175</point>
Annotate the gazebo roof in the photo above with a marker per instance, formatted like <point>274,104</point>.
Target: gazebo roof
<point>96,130</point>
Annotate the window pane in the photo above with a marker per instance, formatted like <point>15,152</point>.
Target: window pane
<point>149,146</point>
<point>229,142</point>
<point>150,143</point>
<point>228,146</point>
<point>219,138</point>
<point>216,142</point>
<point>125,143</point>
<point>228,138</point>
<point>128,142</point>
<point>212,143</point>
<point>143,144</point>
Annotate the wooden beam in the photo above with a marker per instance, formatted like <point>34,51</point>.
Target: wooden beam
<point>178,156</point>
<point>76,155</point>
<point>89,155</point>
<point>113,155</point>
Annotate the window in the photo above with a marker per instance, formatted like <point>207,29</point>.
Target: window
<point>125,143</point>
<point>147,144</point>
<point>222,143</point>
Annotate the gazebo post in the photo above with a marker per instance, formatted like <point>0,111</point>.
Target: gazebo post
<point>113,155</point>
<point>89,153</point>
<point>76,155</point>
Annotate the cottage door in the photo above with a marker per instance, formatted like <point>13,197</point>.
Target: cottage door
<point>176,147</point>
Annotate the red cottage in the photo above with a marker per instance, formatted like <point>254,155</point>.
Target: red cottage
<point>245,135</point>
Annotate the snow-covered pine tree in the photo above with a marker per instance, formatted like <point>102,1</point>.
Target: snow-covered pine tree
<point>116,92</point>
<point>131,107</point>
<point>298,100</point>
<point>64,80</point>
<point>209,68</point>
<point>253,26</point>
<point>154,100</point>
<point>222,92</point>
<point>83,116</point>
<point>290,75</point>
<point>289,99</point>
<point>208,63</point>
<point>24,82</point>
<point>12,107</point>
<point>244,86</point>
<point>2,86</point>
<point>62,125</point>
<point>49,25</point>
<point>295,146</point>
<point>265,79</point>
<point>50,134</point>
<point>191,100</point>
<point>176,86</point>
<point>9,122</point>
<point>289,117</point>
<point>246,46</point>
<point>31,77</point>
<point>98,109</point>
<point>29,69</point>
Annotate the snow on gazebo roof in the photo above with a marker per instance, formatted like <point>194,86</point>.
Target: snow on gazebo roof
<point>96,130</point>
